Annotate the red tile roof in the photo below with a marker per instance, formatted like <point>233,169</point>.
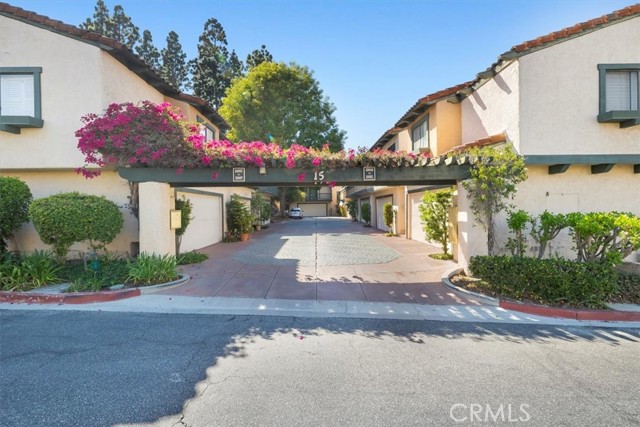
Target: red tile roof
<point>120,52</point>
<point>489,140</point>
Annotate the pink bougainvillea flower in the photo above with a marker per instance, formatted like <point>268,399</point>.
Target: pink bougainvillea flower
<point>290,163</point>
<point>179,171</point>
<point>214,175</point>
<point>317,161</point>
<point>332,184</point>
<point>301,177</point>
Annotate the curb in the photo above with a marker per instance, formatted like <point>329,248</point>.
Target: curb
<point>70,298</point>
<point>87,297</point>
<point>541,310</point>
<point>446,281</point>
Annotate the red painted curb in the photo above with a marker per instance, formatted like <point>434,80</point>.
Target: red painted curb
<point>70,298</point>
<point>569,313</point>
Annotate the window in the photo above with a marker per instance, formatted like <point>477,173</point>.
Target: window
<point>20,103</point>
<point>205,130</point>
<point>619,94</point>
<point>392,147</point>
<point>420,135</point>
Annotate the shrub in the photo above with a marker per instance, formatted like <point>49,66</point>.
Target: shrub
<point>185,207</point>
<point>265,211</point>
<point>434,213</point>
<point>113,270</point>
<point>388,216</point>
<point>629,288</point>
<point>15,197</point>
<point>550,281</point>
<point>192,257</point>
<point>64,219</point>
<point>152,269</point>
<point>517,223</point>
<point>604,236</point>
<point>343,211</point>
<point>352,209</point>
<point>545,227</point>
<point>239,218</point>
<point>30,271</point>
<point>365,212</point>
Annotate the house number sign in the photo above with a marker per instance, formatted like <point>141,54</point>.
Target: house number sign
<point>318,176</point>
<point>369,173</point>
<point>238,175</point>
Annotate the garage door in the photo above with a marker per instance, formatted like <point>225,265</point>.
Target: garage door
<point>205,228</point>
<point>313,209</point>
<point>380,212</point>
<point>416,232</point>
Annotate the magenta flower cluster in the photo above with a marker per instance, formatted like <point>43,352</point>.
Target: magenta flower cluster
<point>151,135</point>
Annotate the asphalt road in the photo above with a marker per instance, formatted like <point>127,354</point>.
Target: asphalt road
<point>60,368</point>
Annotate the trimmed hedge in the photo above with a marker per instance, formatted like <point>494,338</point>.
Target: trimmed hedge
<point>15,197</point>
<point>549,281</point>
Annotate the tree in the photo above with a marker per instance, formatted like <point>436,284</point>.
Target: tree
<point>545,227</point>
<point>121,28</point>
<point>209,69</point>
<point>258,56</point>
<point>517,223</point>
<point>148,52</point>
<point>352,209</point>
<point>235,67</point>
<point>174,62</point>
<point>365,213</point>
<point>494,181</point>
<point>118,26</point>
<point>434,214</point>
<point>285,102</point>
<point>15,197</point>
<point>100,22</point>
<point>388,217</point>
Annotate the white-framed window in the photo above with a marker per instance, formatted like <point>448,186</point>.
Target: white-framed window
<point>420,135</point>
<point>619,94</point>
<point>20,99</point>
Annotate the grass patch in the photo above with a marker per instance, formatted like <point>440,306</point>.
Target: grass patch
<point>441,256</point>
<point>192,257</point>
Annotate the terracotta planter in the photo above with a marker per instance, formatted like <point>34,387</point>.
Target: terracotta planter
<point>244,237</point>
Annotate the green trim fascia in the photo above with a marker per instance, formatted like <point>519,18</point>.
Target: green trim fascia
<point>37,88</point>
<point>199,192</point>
<point>10,129</point>
<point>582,159</point>
<point>619,116</point>
<point>202,177</point>
<point>21,121</point>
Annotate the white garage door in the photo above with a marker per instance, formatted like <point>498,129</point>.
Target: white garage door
<point>313,209</point>
<point>380,212</point>
<point>417,233</point>
<point>205,228</point>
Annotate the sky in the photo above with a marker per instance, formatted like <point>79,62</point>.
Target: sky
<point>373,58</point>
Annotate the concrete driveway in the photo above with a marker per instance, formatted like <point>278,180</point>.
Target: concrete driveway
<point>321,259</point>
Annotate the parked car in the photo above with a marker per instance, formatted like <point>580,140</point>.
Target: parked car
<point>295,213</point>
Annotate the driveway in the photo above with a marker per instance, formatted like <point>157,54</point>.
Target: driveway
<point>321,259</point>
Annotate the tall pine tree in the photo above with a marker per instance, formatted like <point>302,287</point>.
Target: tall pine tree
<point>235,67</point>
<point>258,56</point>
<point>123,29</point>
<point>209,69</point>
<point>174,66</point>
<point>148,52</point>
<point>100,22</point>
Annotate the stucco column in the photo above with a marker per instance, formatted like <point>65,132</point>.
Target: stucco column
<point>472,239</point>
<point>156,201</point>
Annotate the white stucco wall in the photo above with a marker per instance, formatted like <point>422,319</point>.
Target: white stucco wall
<point>77,78</point>
<point>559,94</point>
<point>493,108</point>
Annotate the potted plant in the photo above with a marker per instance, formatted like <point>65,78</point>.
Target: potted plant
<point>245,222</point>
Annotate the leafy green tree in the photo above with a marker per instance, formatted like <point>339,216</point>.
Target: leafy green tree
<point>185,207</point>
<point>434,214</point>
<point>66,218</point>
<point>285,102</point>
<point>235,67</point>
<point>352,209</point>
<point>100,23</point>
<point>148,52</point>
<point>388,216</point>
<point>494,181</point>
<point>174,62</point>
<point>545,227</point>
<point>209,68</point>
<point>15,197</point>
<point>365,212</point>
<point>258,56</point>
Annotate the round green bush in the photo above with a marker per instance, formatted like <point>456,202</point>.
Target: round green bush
<point>67,218</point>
<point>15,197</point>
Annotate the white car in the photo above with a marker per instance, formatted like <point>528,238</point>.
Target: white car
<point>295,213</point>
